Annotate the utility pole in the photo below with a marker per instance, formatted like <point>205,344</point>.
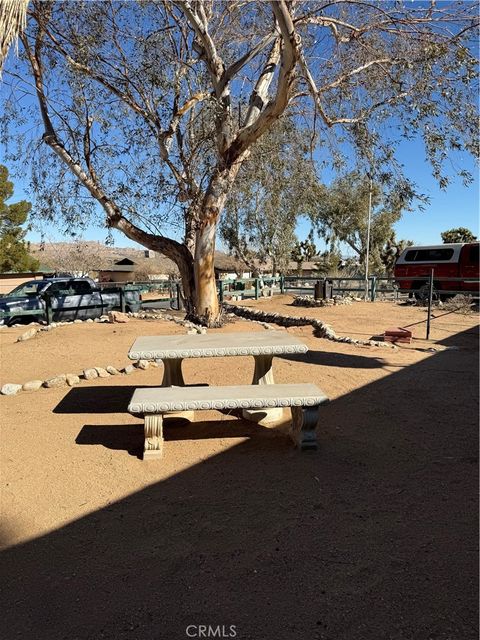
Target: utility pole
<point>369,221</point>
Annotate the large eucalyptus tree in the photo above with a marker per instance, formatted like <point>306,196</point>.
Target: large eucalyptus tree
<point>150,108</point>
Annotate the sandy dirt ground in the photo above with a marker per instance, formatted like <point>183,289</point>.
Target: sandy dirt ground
<point>374,536</point>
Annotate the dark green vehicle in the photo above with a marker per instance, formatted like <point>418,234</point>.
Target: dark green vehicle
<point>68,298</point>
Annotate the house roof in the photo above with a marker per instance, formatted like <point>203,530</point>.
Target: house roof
<point>117,267</point>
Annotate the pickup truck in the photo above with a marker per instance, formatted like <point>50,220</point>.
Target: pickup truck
<point>69,299</point>
<point>455,270</point>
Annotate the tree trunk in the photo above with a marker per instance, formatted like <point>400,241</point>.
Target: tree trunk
<point>206,303</point>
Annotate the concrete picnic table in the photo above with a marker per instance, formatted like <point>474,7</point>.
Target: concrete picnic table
<point>172,350</point>
<point>262,345</point>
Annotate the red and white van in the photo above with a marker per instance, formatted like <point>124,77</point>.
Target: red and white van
<point>459,260</point>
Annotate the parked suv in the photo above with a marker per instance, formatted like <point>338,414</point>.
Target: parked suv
<point>459,260</point>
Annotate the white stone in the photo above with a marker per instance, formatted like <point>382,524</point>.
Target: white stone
<point>89,320</point>
<point>112,370</point>
<point>10,389</point>
<point>56,381</point>
<point>90,374</point>
<point>72,379</point>
<point>129,369</point>
<point>77,321</point>
<point>32,385</point>
<point>27,335</point>
<point>142,364</point>
<point>102,373</point>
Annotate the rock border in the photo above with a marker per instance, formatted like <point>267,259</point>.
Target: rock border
<point>72,379</point>
<point>91,373</point>
<point>310,301</point>
<point>320,329</point>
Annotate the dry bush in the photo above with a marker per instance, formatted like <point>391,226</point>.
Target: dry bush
<point>461,303</point>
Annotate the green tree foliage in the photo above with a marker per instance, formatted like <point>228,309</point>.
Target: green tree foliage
<point>261,212</point>
<point>14,251</point>
<point>328,262</point>
<point>460,234</point>
<point>391,250</point>
<point>303,251</point>
<point>339,213</point>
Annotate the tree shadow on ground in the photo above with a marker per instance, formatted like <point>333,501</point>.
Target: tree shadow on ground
<point>328,359</point>
<point>374,536</point>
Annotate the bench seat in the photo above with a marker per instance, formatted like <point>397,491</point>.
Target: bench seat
<point>153,402</point>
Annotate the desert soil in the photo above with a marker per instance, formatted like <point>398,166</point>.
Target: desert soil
<point>371,537</point>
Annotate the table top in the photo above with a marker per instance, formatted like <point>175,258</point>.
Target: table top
<point>215,344</point>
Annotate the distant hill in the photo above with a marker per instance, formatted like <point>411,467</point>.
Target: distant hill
<point>90,256</point>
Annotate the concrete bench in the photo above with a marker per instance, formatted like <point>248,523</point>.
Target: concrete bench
<point>153,402</point>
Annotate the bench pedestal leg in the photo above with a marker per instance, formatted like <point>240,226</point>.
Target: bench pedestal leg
<point>263,374</point>
<point>172,373</point>
<point>173,377</point>
<point>153,447</point>
<point>303,429</point>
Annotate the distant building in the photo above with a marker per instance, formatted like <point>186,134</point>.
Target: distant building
<point>228,268</point>
<point>122,270</point>
<point>10,280</point>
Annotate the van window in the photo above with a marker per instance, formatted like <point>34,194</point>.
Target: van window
<point>473,255</point>
<point>429,255</point>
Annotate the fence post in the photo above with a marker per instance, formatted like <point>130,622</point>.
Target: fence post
<point>373,290</point>
<point>256,288</point>
<point>179,298</point>
<point>220,291</point>
<point>48,308</point>
<point>282,284</point>
<point>430,296</point>
<point>122,300</point>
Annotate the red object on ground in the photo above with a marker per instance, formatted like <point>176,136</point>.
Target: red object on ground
<point>397,334</point>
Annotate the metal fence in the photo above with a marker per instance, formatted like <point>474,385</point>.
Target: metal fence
<point>375,288</point>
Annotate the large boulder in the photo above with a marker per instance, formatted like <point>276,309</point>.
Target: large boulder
<point>117,316</point>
